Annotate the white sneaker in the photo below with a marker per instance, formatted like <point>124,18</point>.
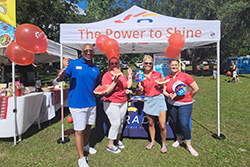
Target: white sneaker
<point>120,144</point>
<point>82,162</point>
<point>89,149</point>
<point>192,151</point>
<point>177,143</point>
<point>113,149</point>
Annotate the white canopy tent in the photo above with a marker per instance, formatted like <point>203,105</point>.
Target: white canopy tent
<point>141,31</point>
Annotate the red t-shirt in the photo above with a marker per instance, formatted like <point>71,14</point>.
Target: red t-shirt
<point>118,95</point>
<point>186,79</point>
<point>150,86</point>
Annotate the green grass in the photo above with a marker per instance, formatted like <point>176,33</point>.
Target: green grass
<point>39,147</point>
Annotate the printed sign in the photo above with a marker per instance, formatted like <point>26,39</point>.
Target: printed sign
<point>179,88</point>
<point>139,75</point>
<point>161,64</point>
<point>6,34</point>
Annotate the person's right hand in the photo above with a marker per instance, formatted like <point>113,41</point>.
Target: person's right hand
<point>116,78</point>
<point>172,96</point>
<point>140,87</point>
<point>65,62</point>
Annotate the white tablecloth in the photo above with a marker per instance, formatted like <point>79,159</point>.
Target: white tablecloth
<point>28,110</point>
<point>48,110</point>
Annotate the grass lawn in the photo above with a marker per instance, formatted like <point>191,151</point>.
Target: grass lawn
<point>39,147</point>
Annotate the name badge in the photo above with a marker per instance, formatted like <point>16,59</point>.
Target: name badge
<point>78,67</point>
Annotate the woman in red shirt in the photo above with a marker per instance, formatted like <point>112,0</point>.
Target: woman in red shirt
<point>154,104</point>
<point>180,106</point>
<point>115,102</point>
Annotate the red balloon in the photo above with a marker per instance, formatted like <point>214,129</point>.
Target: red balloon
<point>176,40</point>
<point>112,54</point>
<point>19,55</point>
<point>111,48</point>
<point>171,52</point>
<point>32,38</point>
<point>99,42</point>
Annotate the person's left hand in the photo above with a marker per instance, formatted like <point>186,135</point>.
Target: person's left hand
<point>130,71</point>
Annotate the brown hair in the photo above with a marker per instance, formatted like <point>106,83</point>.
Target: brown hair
<point>174,59</point>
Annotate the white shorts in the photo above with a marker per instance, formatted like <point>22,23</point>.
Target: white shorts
<point>82,117</point>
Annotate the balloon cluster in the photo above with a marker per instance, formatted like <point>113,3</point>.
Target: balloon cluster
<point>176,42</point>
<point>108,45</point>
<point>30,39</point>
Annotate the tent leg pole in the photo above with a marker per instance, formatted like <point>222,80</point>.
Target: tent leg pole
<point>14,100</point>
<point>62,139</point>
<point>219,135</point>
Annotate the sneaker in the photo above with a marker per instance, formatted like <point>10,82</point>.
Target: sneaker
<point>89,149</point>
<point>177,143</point>
<point>82,162</point>
<point>192,151</point>
<point>113,149</point>
<point>120,144</point>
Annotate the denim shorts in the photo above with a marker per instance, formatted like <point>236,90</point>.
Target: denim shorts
<point>154,105</point>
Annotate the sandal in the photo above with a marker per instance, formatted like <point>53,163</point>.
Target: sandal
<point>164,149</point>
<point>148,147</point>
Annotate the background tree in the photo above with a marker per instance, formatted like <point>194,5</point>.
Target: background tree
<point>48,14</point>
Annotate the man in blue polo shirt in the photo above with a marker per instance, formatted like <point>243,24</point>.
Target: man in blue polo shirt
<point>84,76</point>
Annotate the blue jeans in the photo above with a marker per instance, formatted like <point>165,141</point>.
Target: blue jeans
<point>180,116</point>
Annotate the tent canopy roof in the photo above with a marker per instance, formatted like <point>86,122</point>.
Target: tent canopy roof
<point>141,31</point>
<point>52,54</point>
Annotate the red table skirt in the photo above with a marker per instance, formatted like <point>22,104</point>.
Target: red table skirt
<point>56,95</point>
<point>3,107</point>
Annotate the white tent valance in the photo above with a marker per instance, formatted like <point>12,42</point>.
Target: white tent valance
<point>141,31</point>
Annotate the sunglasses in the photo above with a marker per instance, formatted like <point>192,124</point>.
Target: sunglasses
<point>146,63</point>
<point>114,63</point>
<point>87,51</point>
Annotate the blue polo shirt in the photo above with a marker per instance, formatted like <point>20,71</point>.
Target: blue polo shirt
<point>83,80</point>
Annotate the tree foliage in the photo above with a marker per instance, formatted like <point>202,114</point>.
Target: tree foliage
<point>233,14</point>
<point>48,14</point>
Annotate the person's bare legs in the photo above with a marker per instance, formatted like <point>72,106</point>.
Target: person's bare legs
<point>79,140</point>
<point>162,125</point>
<point>118,137</point>
<point>151,127</point>
<point>111,143</point>
<point>86,134</point>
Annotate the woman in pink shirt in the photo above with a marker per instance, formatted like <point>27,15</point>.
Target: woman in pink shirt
<point>180,106</point>
<point>154,105</point>
<point>115,102</point>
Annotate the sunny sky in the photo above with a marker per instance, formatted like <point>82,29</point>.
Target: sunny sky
<point>82,6</point>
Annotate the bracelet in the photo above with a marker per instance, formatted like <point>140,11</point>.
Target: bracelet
<point>130,75</point>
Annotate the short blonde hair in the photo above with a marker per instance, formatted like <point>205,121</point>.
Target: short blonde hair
<point>147,57</point>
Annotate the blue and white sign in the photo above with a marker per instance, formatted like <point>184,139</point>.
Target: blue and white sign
<point>161,64</point>
<point>139,75</point>
<point>179,88</point>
